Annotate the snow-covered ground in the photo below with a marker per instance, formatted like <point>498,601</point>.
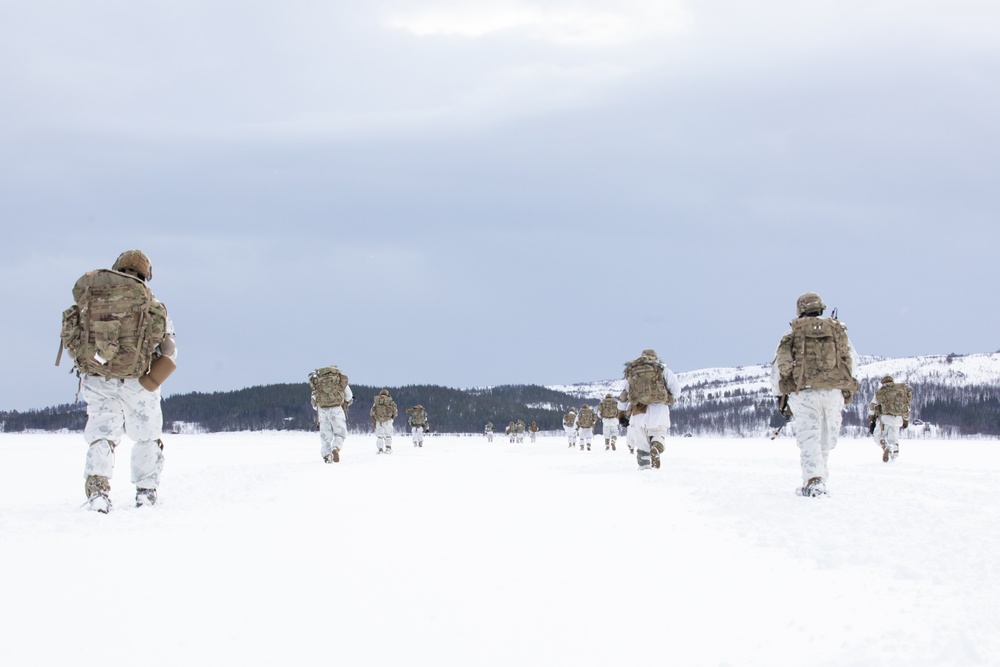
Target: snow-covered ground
<point>467,553</point>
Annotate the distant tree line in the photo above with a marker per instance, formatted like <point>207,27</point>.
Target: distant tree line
<point>287,407</point>
<point>701,409</point>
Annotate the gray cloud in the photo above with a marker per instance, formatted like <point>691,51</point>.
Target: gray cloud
<point>519,194</point>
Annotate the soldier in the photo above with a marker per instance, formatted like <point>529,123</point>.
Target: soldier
<point>533,430</point>
<point>585,421</point>
<point>382,413</point>
<point>519,431</point>
<point>122,343</point>
<point>569,425</point>
<point>331,396</point>
<point>813,377</point>
<point>489,431</point>
<point>608,411</point>
<point>418,424</point>
<point>890,412</point>
<point>651,388</point>
<point>511,431</point>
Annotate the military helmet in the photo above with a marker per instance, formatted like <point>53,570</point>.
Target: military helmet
<point>384,392</point>
<point>809,303</point>
<point>585,406</point>
<point>134,261</point>
<point>887,379</point>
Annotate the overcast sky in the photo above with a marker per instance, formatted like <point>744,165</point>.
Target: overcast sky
<point>473,193</point>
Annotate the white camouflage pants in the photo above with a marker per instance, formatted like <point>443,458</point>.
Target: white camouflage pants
<point>418,435</point>
<point>610,429</point>
<point>817,414</point>
<point>888,430</point>
<point>586,436</point>
<point>332,429</point>
<point>122,407</point>
<point>653,424</point>
<point>571,434</point>
<point>383,434</point>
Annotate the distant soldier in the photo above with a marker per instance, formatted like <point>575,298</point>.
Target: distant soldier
<point>813,377</point>
<point>585,422</point>
<point>533,430</point>
<point>608,411</point>
<point>890,412</point>
<point>331,396</point>
<point>418,424</point>
<point>651,389</point>
<point>569,425</point>
<point>382,413</point>
<point>489,431</point>
<point>511,431</point>
<point>519,431</point>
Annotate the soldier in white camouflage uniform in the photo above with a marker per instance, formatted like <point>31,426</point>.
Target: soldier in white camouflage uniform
<point>569,425</point>
<point>383,411</point>
<point>585,420</point>
<point>608,412</point>
<point>489,431</point>
<point>126,406</point>
<point>650,389</point>
<point>813,377</point>
<point>331,396</point>
<point>889,413</point>
<point>417,420</point>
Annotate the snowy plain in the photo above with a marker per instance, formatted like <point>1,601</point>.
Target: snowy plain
<point>468,553</point>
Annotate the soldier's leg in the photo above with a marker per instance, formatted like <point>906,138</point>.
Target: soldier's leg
<point>144,425</point>
<point>103,431</point>
<point>326,434</point>
<point>808,434</point>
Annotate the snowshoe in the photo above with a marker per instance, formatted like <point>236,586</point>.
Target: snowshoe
<point>814,488</point>
<point>99,503</point>
<point>144,497</point>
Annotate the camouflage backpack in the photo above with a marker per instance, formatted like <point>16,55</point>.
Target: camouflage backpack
<point>586,418</point>
<point>895,399</point>
<point>114,326</point>
<point>418,416</point>
<point>569,419</point>
<point>646,384</point>
<point>384,408</point>
<point>608,409</point>
<point>328,385</point>
<point>816,354</point>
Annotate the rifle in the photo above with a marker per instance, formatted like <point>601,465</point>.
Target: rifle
<point>785,411</point>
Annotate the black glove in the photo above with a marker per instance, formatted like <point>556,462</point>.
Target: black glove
<point>906,422</point>
<point>872,422</point>
<point>783,408</point>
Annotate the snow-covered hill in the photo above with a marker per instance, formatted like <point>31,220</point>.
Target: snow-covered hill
<point>945,369</point>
